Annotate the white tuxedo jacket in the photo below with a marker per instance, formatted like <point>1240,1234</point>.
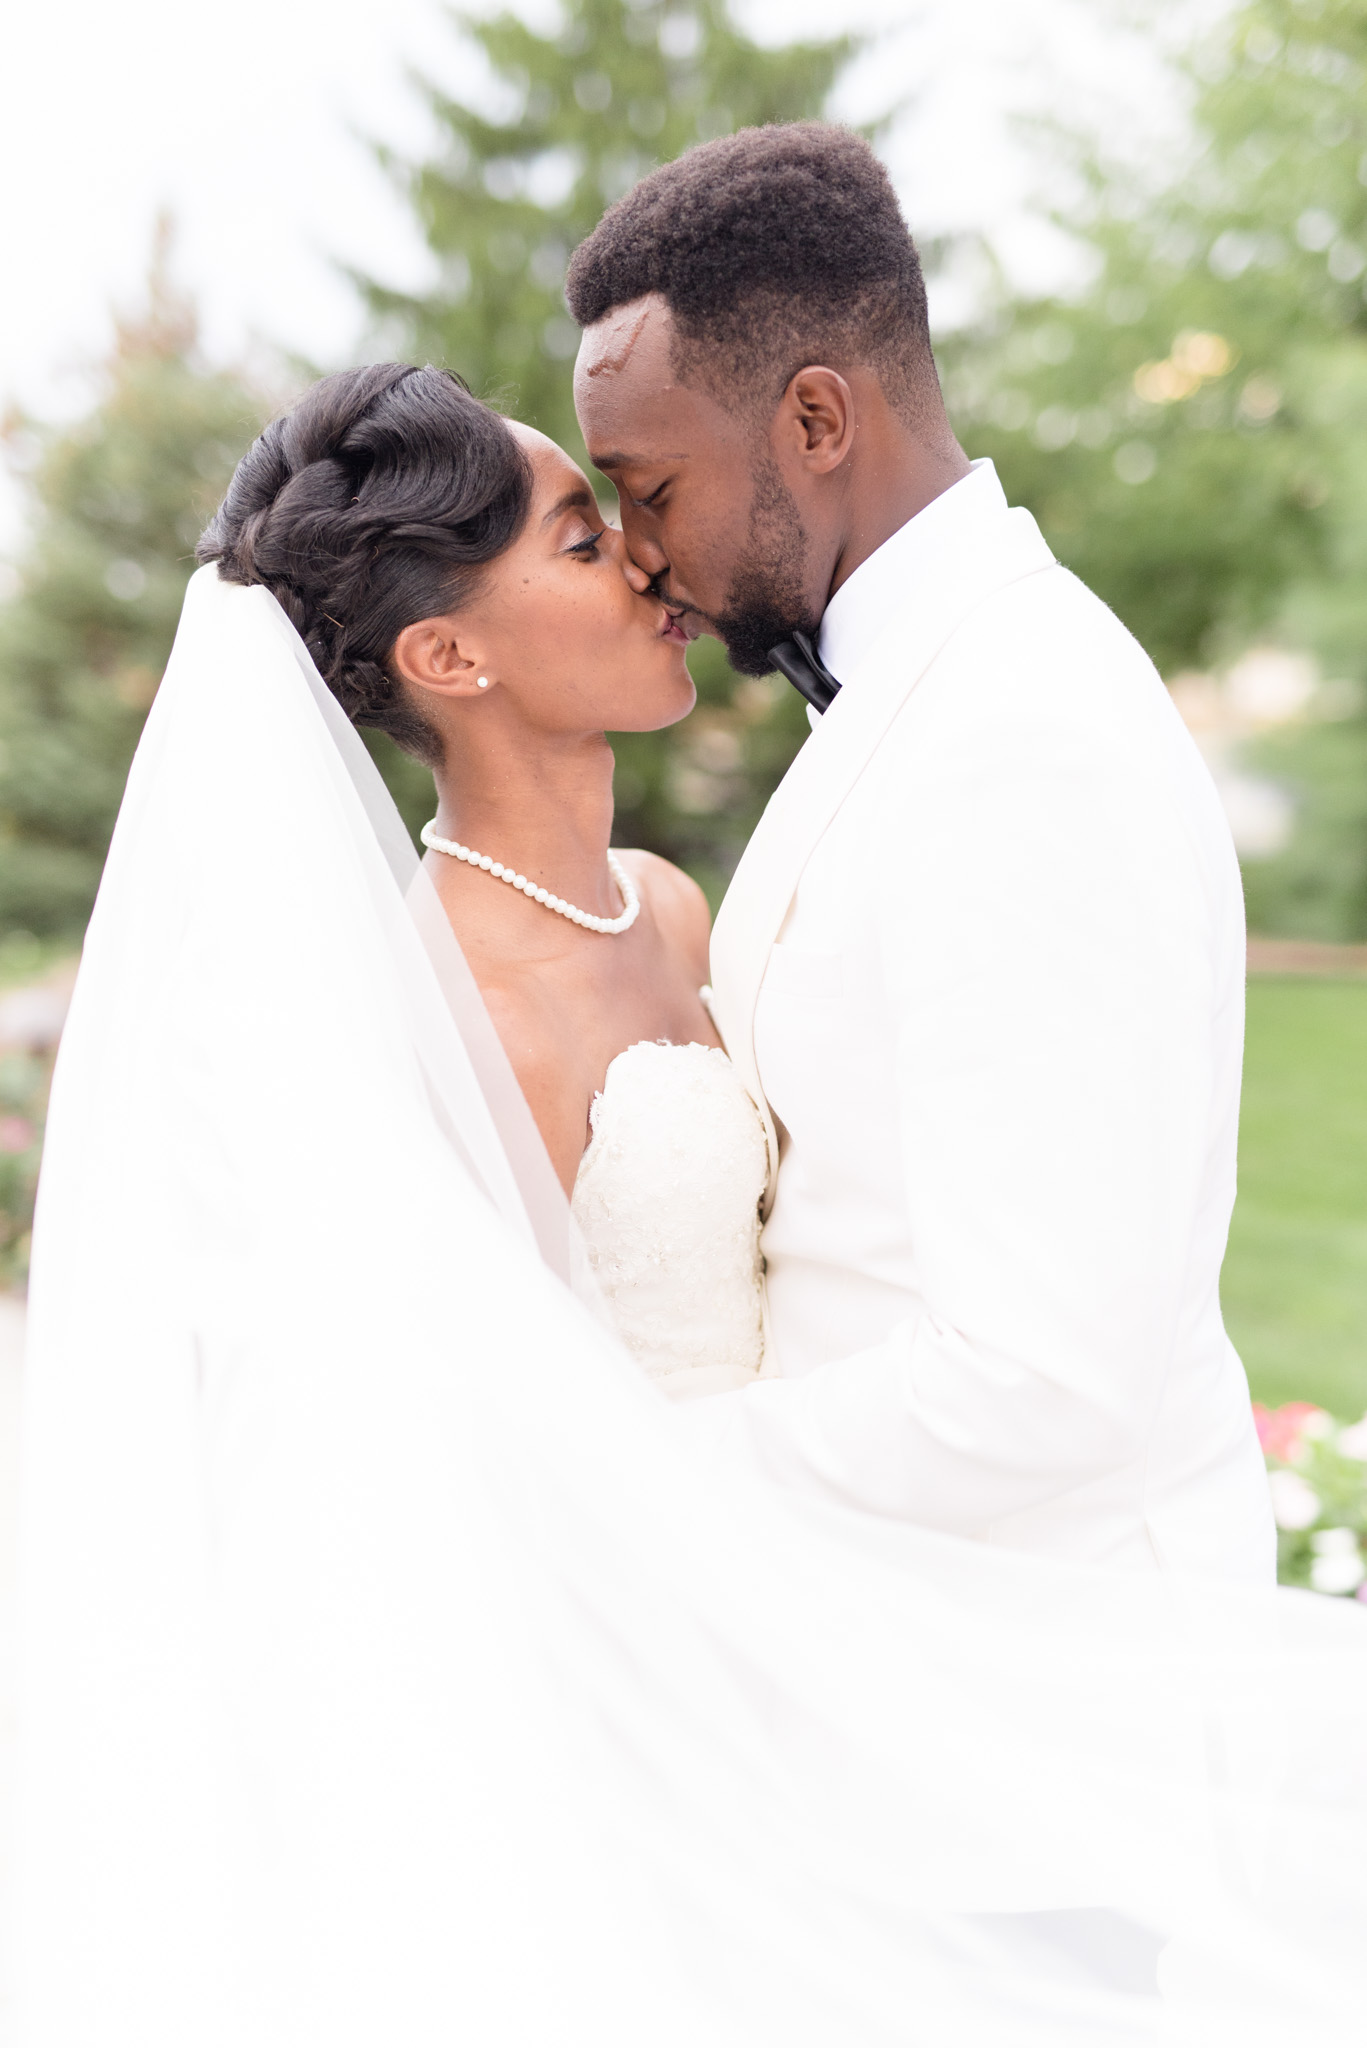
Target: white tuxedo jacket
<point>982,968</point>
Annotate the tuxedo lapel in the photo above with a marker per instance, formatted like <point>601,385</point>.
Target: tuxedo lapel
<point>830,764</point>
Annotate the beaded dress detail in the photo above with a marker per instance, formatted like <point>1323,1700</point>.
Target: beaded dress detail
<point>667,1200</point>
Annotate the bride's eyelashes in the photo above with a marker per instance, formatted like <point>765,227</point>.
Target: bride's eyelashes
<point>589,546</point>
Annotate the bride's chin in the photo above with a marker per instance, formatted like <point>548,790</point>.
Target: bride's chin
<point>660,692</point>
<point>660,709</point>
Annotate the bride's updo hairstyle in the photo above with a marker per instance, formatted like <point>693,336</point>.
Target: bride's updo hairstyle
<point>376,501</point>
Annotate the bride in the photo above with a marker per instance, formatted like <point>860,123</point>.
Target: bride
<point>393,1668</point>
<point>477,608</point>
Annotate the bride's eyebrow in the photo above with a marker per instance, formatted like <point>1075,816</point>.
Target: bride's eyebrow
<point>578,499</point>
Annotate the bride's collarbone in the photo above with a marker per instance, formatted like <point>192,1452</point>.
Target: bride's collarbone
<point>567,1002</point>
<point>565,1016</point>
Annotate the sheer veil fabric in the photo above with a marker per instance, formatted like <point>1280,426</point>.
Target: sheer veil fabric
<point>394,1669</point>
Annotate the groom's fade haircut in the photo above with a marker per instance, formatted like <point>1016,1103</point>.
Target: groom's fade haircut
<point>773,248</point>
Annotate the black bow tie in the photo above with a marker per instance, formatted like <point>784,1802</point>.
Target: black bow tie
<point>805,670</point>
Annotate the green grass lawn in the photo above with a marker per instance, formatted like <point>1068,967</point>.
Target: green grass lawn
<point>1295,1278</point>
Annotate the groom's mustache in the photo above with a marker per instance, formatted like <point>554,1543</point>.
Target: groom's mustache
<point>675,605</point>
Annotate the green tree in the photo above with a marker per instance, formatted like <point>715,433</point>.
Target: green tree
<point>1289,102</point>
<point>1191,428</point>
<point>587,112</point>
<point>578,116</point>
<point>1187,427</point>
<point>117,502</point>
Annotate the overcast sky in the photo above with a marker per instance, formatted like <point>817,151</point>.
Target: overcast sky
<point>248,123</point>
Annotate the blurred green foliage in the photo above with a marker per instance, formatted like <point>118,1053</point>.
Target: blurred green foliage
<point>1294,1286</point>
<point>117,503</point>
<point>549,130</point>
<point>1328,1556</point>
<point>25,1078</point>
<point>1190,427</point>
<point>1316,888</point>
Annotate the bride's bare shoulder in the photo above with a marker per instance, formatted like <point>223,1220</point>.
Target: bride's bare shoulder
<point>674,899</point>
<point>670,893</point>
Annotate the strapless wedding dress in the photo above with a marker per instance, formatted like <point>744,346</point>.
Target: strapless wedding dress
<point>667,1201</point>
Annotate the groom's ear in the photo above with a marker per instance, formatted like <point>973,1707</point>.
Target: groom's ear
<point>428,655</point>
<point>814,425</point>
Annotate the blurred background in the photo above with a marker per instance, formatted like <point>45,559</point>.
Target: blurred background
<point>1145,228</point>
<point>1146,233</point>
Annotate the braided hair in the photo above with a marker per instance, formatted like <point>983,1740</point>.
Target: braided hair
<point>376,501</point>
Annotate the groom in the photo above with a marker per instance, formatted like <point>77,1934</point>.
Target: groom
<point>982,962</point>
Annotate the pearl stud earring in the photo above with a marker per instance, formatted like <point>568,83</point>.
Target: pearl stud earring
<point>482,683</point>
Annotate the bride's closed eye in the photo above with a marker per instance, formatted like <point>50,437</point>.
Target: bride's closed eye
<point>589,546</point>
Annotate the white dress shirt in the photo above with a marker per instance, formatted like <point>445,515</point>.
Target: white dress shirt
<point>870,596</point>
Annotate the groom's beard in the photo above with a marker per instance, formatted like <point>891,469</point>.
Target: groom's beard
<point>767,600</point>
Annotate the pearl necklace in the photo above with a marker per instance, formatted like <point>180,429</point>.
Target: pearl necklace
<point>556,903</point>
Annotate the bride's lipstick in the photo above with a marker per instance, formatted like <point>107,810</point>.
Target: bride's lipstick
<point>672,627</point>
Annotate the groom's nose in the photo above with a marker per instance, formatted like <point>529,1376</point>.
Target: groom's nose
<point>644,551</point>
<point>636,576</point>
<point>638,579</point>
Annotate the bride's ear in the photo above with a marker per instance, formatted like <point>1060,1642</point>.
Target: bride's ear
<point>428,655</point>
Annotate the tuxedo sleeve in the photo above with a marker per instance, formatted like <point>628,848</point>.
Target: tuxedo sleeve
<point>1054,900</point>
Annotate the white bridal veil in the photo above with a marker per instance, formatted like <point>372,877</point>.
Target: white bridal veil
<point>395,1672</point>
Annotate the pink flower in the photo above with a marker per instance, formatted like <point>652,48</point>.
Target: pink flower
<point>1280,1429</point>
<point>16,1134</point>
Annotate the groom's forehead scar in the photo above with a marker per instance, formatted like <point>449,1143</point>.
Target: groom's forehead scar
<point>618,354</point>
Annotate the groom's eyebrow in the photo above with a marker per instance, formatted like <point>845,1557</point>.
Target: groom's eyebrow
<point>615,459</point>
<point>581,496</point>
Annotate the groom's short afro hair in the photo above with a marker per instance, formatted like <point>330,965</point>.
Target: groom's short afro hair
<point>774,248</point>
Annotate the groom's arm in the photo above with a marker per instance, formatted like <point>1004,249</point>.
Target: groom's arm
<point>1057,1092</point>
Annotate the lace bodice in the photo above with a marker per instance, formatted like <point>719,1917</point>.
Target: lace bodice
<point>667,1199</point>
